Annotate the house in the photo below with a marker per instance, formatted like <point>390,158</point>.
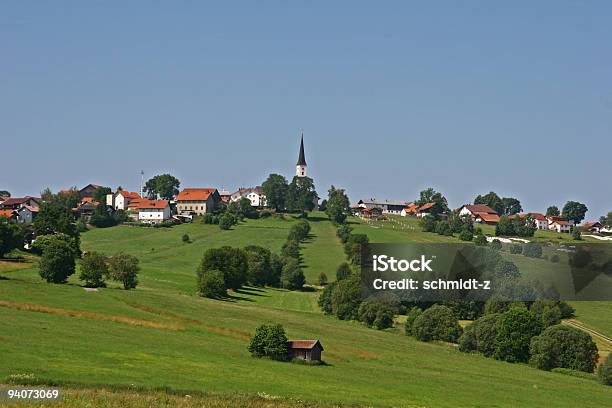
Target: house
<point>121,199</point>
<point>15,203</point>
<point>371,213</point>
<point>386,206</point>
<point>197,201</point>
<point>225,196</point>
<point>308,350</point>
<point>540,220</point>
<point>255,195</point>
<point>561,226</point>
<point>593,226</point>
<point>89,190</point>
<point>424,210</point>
<point>86,208</point>
<point>480,213</point>
<point>409,210</point>
<point>27,214</point>
<point>9,214</point>
<point>153,211</point>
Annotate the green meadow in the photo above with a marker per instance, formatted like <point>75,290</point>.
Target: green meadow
<point>162,335</point>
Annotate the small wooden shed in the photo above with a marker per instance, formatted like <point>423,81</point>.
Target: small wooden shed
<point>309,350</point>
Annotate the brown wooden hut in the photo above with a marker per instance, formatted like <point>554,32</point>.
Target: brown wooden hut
<point>309,350</point>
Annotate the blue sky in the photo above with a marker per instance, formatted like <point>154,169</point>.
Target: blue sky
<point>466,97</point>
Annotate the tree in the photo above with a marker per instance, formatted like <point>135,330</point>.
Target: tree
<point>410,318</point>
<point>429,195</point>
<point>338,205</point>
<point>515,329</point>
<point>57,260</point>
<point>276,268</point>
<point>466,236</point>
<point>258,265</point>
<point>212,285</point>
<point>604,371</point>
<point>301,194</point>
<point>343,271</point>
<point>290,249</point>
<point>12,236</point>
<point>165,186</point>
<point>323,205</point>
<point>185,238</point>
<point>377,313</point>
<point>322,279</point>
<point>275,188</point>
<point>53,218</point>
<point>551,315</point>
<point>101,217</point>
<point>504,227</point>
<point>269,341</point>
<point>574,211</point>
<point>492,200</point>
<point>576,234</point>
<point>553,211</point>
<point>292,277</point>
<point>480,240</point>
<point>346,298</point>
<point>226,221</point>
<point>93,270</point>
<point>532,249</point>
<point>511,206</point>
<point>232,262</point>
<point>480,336</point>
<point>564,347</point>
<point>4,193</point>
<point>299,231</point>
<point>607,220</point>
<point>325,299</point>
<point>241,208</point>
<point>99,194</point>
<point>428,223</point>
<point>124,268</point>
<point>437,323</point>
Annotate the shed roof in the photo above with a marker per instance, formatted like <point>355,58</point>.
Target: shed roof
<point>303,344</point>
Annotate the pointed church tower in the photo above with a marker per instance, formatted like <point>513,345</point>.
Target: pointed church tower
<point>300,168</point>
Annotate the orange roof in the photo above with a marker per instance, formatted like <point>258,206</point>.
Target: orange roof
<point>488,217</point>
<point>303,344</point>
<point>480,208</point>
<point>151,204</point>
<point>538,216</point>
<point>89,200</point>
<point>562,222</point>
<point>411,208</point>
<point>195,194</point>
<point>7,213</point>
<point>425,206</point>
<point>129,194</point>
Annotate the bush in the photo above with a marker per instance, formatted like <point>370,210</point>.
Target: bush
<point>232,262</point>
<point>124,268</point>
<point>226,221</point>
<point>516,249</point>
<point>209,219</point>
<point>496,244</point>
<point>507,269</point>
<point>325,299</point>
<point>276,269</point>
<point>377,313</point>
<point>344,232</point>
<point>554,258</point>
<point>291,249</point>
<point>604,372</point>
<point>437,323</point>
<point>480,240</point>
<point>212,284</point>
<point>185,238</point>
<point>322,279</point>
<point>551,315</point>
<point>299,231</point>
<point>565,347</point>
<point>292,277</point>
<point>576,234</point>
<point>532,250</point>
<point>428,223</point>
<point>443,228</point>
<point>480,336</point>
<point>515,329</point>
<point>258,265</point>
<point>466,235</point>
<point>93,270</point>
<point>344,271</point>
<point>57,261</point>
<point>269,341</point>
<point>410,318</point>
<point>346,298</point>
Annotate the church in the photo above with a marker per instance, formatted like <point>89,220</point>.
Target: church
<point>301,167</point>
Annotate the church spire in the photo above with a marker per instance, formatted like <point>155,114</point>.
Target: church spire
<point>301,159</point>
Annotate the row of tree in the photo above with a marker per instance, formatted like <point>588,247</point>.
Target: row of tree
<point>299,195</point>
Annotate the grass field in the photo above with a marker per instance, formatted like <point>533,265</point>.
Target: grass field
<point>161,335</point>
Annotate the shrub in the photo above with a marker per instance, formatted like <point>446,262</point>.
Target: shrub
<point>226,221</point>
<point>554,258</point>
<point>428,223</point>
<point>496,244</point>
<point>299,231</point>
<point>292,276</point>
<point>291,249</point>
<point>344,271</point>
<point>410,318</point>
<point>93,270</point>
<point>480,240</point>
<point>515,329</point>
<point>346,298</point>
<point>212,285</point>
<point>276,269</point>
<point>57,261</point>
<point>437,323</point>
<point>325,299</point>
<point>565,347</point>
<point>466,235</point>
<point>185,238</point>
<point>258,265</point>
<point>232,262</point>
<point>124,268</point>
<point>532,250</point>
<point>485,331</point>
<point>507,269</point>
<point>344,232</point>
<point>443,228</point>
<point>377,313</point>
<point>516,249</point>
<point>567,311</point>
<point>269,341</point>
<point>322,279</point>
<point>209,219</point>
<point>551,315</point>
<point>576,234</point>
<point>604,372</point>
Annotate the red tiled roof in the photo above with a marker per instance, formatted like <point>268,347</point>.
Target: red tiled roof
<point>303,344</point>
<point>591,224</point>
<point>195,194</point>
<point>411,208</point>
<point>88,200</point>
<point>562,222</point>
<point>538,216</point>
<point>129,194</point>
<point>488,217</point>
<point>425,206</point>
<point>19,200</point>
<point>33,209</point>
<point>152,204</point>
<point>480,208</point>
<point>7,213</point>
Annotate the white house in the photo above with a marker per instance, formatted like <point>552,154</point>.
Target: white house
<point>559,224</point>
<point>593,226</point>
<point>386,206</point>
<point>27,214</point>
<point>480,213</point>
<point>410,209</point>
<point>255,195</point>
<point>121,199</point>
<point>153,211</point>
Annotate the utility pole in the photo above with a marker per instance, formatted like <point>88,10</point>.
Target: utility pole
<point>141,183</point>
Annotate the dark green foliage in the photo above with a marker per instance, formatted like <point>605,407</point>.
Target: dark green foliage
<point>554,258</point>
<point>496,244</point>
<point>276,268</point>
<point>517,226</point>
<point>165,186</point>
<point>226,221</point>
<point>259,268</point>
<point>322,279</point>
<point>428,223</point>
<point>344,232</point>
<point>12,236</point>
<point>437,323</point>
<point>576,234</point>
<point>210,219</point>
<point>93,270</point>
<point>516,249</point>
<point>275,188</point>
<point>515,329</point>
<point>299,231</point>
<point>290,249</point>
<point>565,347</point>
<point>443,228</point>
<point>269,341</point>
<point>377,313</point>
<point>232,262</point>
<point>440,205</point>
<point>411,316</point>
<point>337,206</point>
<point>211,284</point>
<point>292,276</point>
<point>325,299</point>
<point>344,271</point>
<point>466,235</point>
<point>604,371</point>
<point>553,211</point>
<point>99,194</point>
<point>480,336</point>
<point>551,315</point>
<point>241,208</point>
<point>57,260</point>
<point>53,218</point>
<point>353,247</point>
<point>346,298</point>
<point>511,206</point>
<point>124,268</point>
<point>301,194</point>
<point>494,306</point>
<point>574,211</point>
<point>101,218</point>
<point>492,200</point>
<point>185,238</point>
<point>480,240</point>
<point>532,250</point>
<point>466,309</point>
<point>507,269</point>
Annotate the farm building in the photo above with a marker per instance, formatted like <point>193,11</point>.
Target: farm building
<point>410,209</point>
<point>593,226</point>
<point>309,350</point>
<point>89,190</point>
<point>386,206</point>
<point>480,213</point>
<point>197,201</point>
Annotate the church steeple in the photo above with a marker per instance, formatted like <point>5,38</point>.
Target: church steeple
<point>300,167</point>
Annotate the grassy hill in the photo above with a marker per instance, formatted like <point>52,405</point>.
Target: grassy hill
<point>162,335</point>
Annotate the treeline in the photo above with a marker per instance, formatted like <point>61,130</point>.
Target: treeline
<point>231,268</point>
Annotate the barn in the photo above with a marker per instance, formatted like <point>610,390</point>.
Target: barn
<point>309,350</point>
